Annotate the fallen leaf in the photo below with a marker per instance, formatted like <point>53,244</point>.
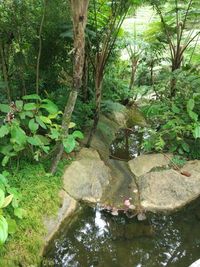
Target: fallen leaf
<point>186,173</point>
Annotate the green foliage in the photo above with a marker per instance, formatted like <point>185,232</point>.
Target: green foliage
<point>178,161</point>
<point>9,208</point>
<point>33,127</point>
<point>70,142</point>
<point>27,126</point>
<point>116,82</point>
<point>175,125</point>
<point>39,195</point>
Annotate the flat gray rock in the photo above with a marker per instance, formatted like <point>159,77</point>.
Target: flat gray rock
<point>86,178</point>
<point>145,163</point>
<point>168,190</point>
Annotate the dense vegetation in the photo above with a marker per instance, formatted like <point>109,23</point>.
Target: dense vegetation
<point>59,70</point>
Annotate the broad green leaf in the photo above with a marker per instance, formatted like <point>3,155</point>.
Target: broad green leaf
<point>55,134</point>
<point>49,106</point>
<point>175,109</point>
<point>72,125</point>
<point>45,119</point>
<point>16,196</point>
<point>5,161</point>
<point>33,126</point>
<point>53,116</point>
<point>45,149</point>
<point>3,230</point>
<point>5,174</point>
<point>18,147</point>
<point>7,201</point>
<point>29,114</point>
<point>19,104</point>
<point>190,104</point>
<point>180,151</point>
<point>12,226</point>
<point>22,115</point>
<point>3,180</point>
<point>18,135</point>
<point>33,96</point>
<point>19,212</point>
<point>185,147</point>
<point>4,108</point>
<point>78,134</point>
<point>45,141</point>
<point>196,132</point>
<point>34,140</point>
<point>40,122</point>
<point>30,106</point>
<point>69,143</point>
<point>6,150</point>
<point>2,197</point>
<point>193,115</point>
<point>4,130</point>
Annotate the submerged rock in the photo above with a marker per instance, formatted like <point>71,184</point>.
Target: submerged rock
<point>145,163</point>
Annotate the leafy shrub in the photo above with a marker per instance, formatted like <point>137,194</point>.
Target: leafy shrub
<point>32,126</point>
<point>9,206</point>
<point>175,125</point>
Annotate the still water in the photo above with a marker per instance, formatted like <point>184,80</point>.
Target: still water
<point>97,239</point>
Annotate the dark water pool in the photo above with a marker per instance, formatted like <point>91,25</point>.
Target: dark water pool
<point>97,239</point>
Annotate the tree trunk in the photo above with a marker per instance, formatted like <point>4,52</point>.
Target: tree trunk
<point>98,93</point>
<point>176,64</point>
<point>85,80</point>
<point>79,9</point>
<point>133,72</point>
<point>40,49</point>
<point>5,73</point>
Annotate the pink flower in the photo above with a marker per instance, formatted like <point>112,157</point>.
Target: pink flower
<point>127,202</point>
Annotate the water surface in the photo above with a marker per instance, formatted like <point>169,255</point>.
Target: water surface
<point>99,239</point>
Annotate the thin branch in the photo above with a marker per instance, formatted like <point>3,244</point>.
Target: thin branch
<point>186,46</point>
<point>40,47</point>
<point>185,18</point>
<point>197,40</point>
<point>169,38</point>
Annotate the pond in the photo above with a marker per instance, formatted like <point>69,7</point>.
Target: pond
<point>98,239</point>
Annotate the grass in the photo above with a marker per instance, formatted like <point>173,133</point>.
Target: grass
<point>39,198</point>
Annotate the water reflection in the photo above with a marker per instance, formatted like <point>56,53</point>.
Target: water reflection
<point>127,144</point>
<point>98,239</point>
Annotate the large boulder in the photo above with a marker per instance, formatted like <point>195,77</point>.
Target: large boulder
<point>145,163</point>
<point>169,190</point>
<point>135,117</point>
<point>118,114</point>
<point>86,178</point>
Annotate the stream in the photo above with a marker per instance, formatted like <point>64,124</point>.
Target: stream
<point>98,239</point>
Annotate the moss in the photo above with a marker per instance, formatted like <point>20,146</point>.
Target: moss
<point>39,197</point>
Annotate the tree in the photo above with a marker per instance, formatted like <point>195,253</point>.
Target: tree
<point>180,36</point>
<point>107,19</point>
<point>79,10</point>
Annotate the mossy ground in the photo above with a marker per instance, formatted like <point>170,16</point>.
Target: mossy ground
<point>39,198</point>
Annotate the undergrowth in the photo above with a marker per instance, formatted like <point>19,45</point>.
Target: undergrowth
<point>39,198</point>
